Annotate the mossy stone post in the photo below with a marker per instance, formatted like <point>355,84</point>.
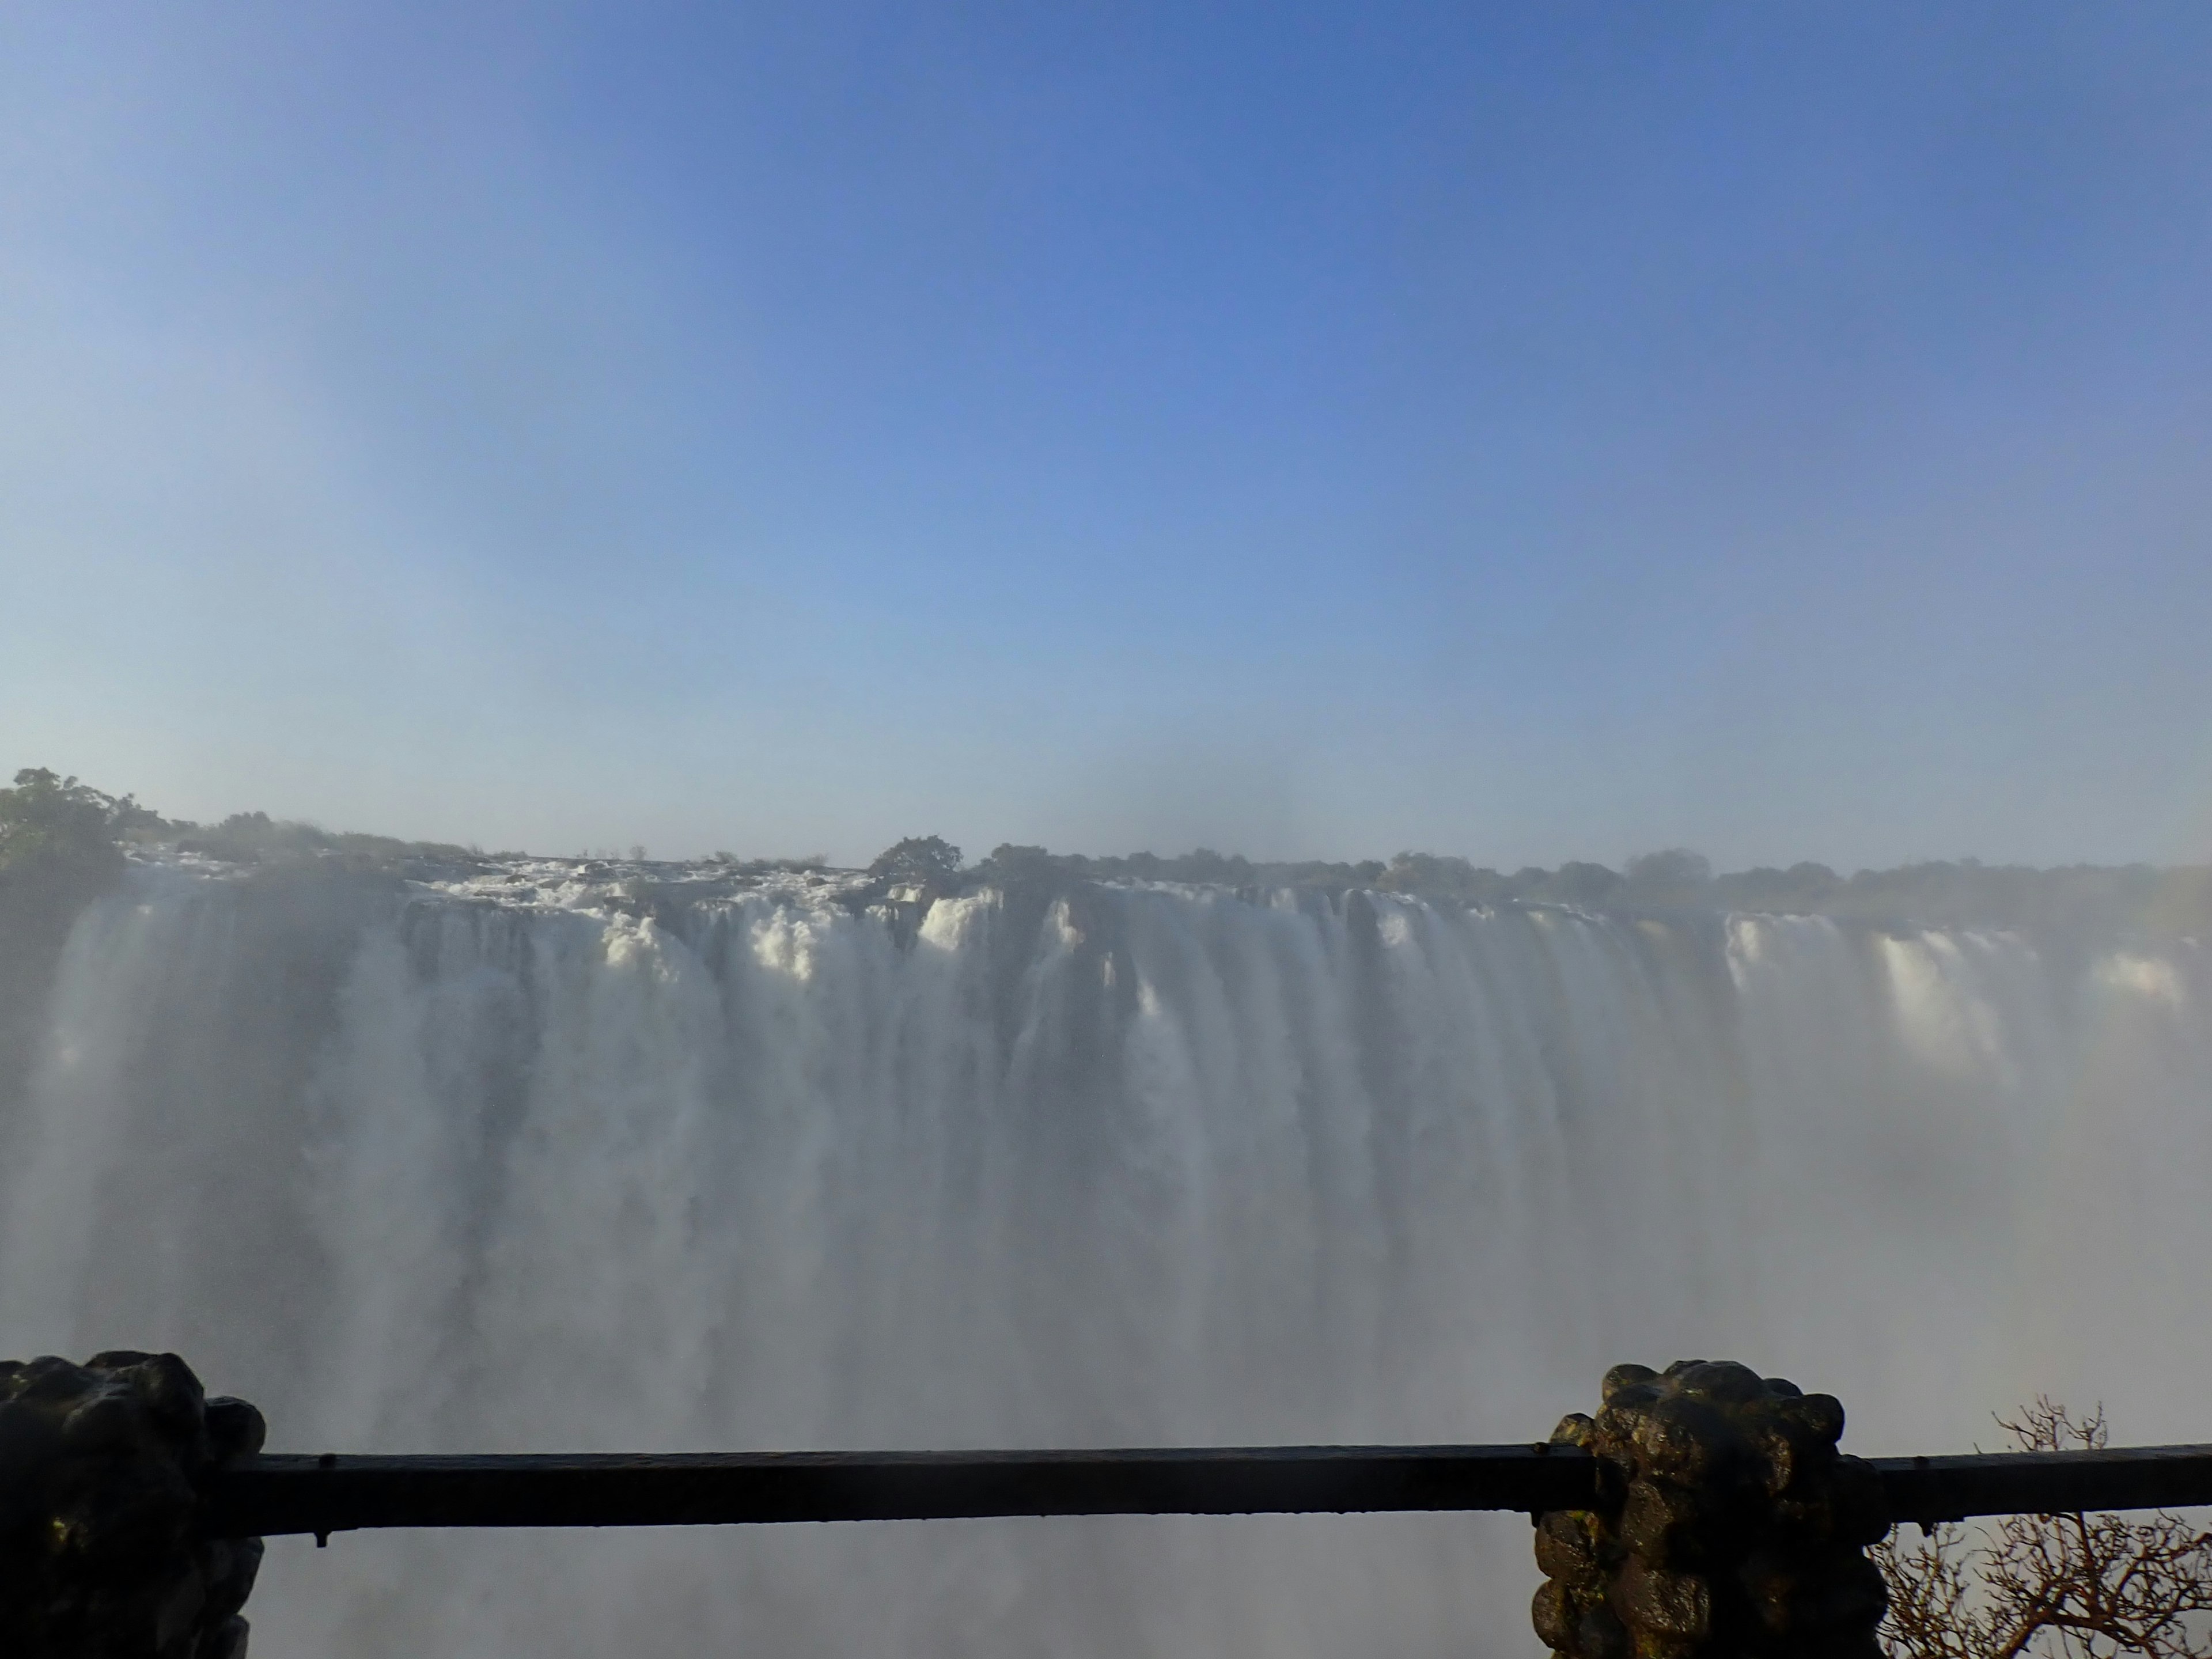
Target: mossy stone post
<point>100,1553</point>
<point>1728,1525</point>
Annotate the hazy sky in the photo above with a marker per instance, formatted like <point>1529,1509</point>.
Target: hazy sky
<point>1531,431</point>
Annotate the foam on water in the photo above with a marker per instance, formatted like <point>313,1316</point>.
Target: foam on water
<point>534,1158</point>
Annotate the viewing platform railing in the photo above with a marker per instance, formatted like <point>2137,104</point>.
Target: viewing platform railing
<point>1706,1512</point>
<point>268,1495</point>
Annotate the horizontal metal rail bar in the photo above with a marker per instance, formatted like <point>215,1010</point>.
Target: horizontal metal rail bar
<point>2046,1483</point>
<point>270,1495</point>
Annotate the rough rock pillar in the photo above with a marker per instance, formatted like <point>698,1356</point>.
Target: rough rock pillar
<point>1728,1525</point>
<point>99,1555</point>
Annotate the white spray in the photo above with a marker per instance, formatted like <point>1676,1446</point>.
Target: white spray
<point>520,1162</point>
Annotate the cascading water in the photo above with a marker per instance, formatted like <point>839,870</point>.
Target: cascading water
<point>524,1159</point>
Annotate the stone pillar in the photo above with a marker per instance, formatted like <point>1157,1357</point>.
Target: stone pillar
<point>100,1557</point>
<point>1728,1525</point>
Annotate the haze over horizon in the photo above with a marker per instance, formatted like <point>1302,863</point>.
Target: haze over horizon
<point>1304,431</point>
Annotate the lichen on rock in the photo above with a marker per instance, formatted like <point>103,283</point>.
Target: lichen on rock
<point>1726,1524</point>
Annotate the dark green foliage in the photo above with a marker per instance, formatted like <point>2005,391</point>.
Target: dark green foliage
<point>1010,863</point>
<point>56,828</point>
<point>930,861</point>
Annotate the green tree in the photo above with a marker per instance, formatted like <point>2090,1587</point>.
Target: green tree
<point>930,861</point>
<point>53,827</point>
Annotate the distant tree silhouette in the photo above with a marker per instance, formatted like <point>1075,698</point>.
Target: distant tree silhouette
<point>1676,876</point>
<point>930,861</point>
<point>1009,862</point>
<point>1802,887</point>
<point>1445,877</point>
<point>62,829</point>
<point>1581,883</point>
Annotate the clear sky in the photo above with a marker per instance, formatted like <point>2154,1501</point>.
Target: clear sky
<point>1529,431</point>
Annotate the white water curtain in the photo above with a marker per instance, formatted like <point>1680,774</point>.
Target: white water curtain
<point>525,1164</point>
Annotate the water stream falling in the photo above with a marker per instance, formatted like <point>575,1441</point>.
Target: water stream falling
<point>523,1159</point>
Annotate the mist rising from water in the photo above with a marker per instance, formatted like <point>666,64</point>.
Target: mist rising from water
<point>521,1163</point>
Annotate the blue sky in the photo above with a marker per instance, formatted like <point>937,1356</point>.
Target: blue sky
<point>1532,431</point>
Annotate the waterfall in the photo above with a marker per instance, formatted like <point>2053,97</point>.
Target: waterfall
<point>546,1158</point>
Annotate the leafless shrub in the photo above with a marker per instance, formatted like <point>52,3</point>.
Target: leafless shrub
<point>2066,1586</point>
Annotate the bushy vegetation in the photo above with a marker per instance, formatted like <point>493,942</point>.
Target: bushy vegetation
<point>56,829</point>
<point>926,860</point>
<point>255,838</point>
<point>2078,898</point>
<point>67,839</point>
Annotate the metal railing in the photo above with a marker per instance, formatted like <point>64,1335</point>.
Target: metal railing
<point>1706,1512</point>
<point>270,1495</point>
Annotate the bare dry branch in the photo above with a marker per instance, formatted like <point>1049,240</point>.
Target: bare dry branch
<point>2054,1586</point>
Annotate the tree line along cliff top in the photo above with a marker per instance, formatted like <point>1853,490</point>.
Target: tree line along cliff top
<point>62,840</point>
